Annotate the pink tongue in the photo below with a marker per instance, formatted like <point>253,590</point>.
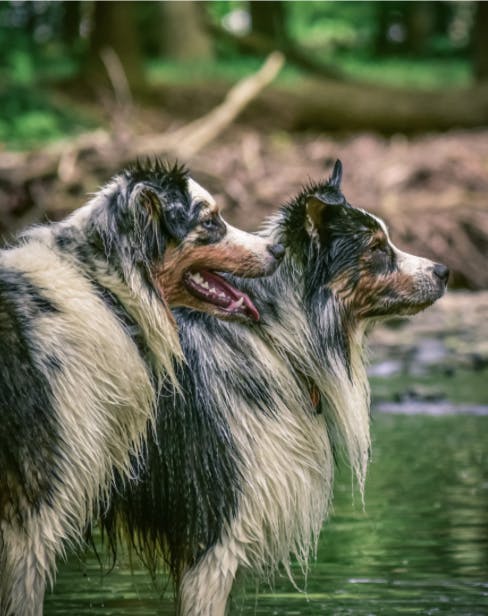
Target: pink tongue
<point>249,305</point>
<point>234,293</point>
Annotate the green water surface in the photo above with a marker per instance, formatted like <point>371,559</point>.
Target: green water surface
<point>419,547</point>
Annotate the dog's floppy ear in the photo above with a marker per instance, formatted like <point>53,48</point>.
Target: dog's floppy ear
<point>172,215</point>
<point>146,197</point>
<point>175,219</point>
<point>336,177</point>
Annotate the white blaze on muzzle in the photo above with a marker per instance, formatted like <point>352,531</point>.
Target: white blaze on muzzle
<point>198,193</point>
<point>412,265</point>
<point>249,241</point>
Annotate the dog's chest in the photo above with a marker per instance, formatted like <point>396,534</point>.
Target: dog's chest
<point>287,468</point>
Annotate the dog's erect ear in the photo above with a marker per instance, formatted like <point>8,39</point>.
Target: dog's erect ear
<point>336,177</point>
<point>322,213</point>
<point>324,209</point>
<point>315,211</point>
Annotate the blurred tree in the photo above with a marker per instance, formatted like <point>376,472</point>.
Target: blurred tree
<point>70,23</point>
<point>114,26</point>
<point>269,20</point>
<point>404,27</point>
<point>443,16</point>
<point>391,31</point>
<point>150,25</point>
<point>184,35</point>
<point>480,41</point>
<point>420,20</point>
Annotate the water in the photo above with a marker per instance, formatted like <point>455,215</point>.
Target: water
<point>420,546</point>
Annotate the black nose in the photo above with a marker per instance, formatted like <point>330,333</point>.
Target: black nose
<point>442,272</point>
<point>277,250</point>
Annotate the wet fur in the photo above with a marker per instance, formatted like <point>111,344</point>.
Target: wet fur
<point>87,337</point>
<point>241,473</point>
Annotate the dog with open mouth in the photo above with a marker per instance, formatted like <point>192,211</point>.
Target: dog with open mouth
<point>87,338</point>
<point>240,474</point>
<point>189,275</point>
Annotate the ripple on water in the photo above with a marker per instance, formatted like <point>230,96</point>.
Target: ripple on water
<point>420,546</point>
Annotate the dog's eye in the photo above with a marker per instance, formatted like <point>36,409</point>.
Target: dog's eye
<point>208,224</point>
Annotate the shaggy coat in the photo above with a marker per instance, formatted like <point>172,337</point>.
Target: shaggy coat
<point>86,339</point>
<point>241,473</point>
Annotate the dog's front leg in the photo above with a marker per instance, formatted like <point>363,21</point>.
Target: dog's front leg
<point>27,562</point>
<point>205,587</point>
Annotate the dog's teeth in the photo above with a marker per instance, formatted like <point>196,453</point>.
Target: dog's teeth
<point>239,303</point>
<point>198,278</point>
<point>222,295</point>
<point>205,285</point>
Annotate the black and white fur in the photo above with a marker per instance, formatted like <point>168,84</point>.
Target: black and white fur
<point>86,338</point>
<point>241,474</point>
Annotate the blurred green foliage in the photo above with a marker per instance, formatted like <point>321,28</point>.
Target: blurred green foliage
<point>31,117</point>
<point>228,69</point>
<point>40,48</point>
<point>318,24</point>
<point>33,57</point>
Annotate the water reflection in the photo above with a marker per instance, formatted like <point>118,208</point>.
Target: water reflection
<point>420,547</point>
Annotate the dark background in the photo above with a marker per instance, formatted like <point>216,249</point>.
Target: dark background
<point>398,90</point>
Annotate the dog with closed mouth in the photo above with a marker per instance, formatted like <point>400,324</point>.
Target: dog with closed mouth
<point>87,338</point>
<point>240,475</point>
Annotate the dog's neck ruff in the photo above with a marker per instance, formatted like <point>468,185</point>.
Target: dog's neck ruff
<point>326,347</point>
<point>139,299</point>
<point>312,363</point>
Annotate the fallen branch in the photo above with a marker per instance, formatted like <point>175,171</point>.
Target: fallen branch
<point>20,167</point>
<point>118,79</point>
<point>189,139</point>
<point>59,159</point>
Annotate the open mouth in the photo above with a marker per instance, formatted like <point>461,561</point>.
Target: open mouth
<point>213,289</point>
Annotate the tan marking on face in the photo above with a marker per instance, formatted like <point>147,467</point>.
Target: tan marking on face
<point>377,238</point>
<point>217,257</point>
<point>372,291</point>
<point>397,293</point>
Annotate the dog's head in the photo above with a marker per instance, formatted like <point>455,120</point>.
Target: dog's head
<point>182,241</point>
<point>349,253</point>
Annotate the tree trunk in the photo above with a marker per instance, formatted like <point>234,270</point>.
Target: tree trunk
<point>184,34</point>
<point>420,24</point>
<point>150,21</point>
<point>70,24</point>
<point>353,106</point>
<point>480,41</point>
<point>404,27</point>
<point>331,105</point>
<point>382,14</point>
<point>114,27</point>
<point>269,20</point>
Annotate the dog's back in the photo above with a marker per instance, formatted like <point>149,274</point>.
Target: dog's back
<point>27,424</point>
<point>60,376</point>
<point>87,336</point>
